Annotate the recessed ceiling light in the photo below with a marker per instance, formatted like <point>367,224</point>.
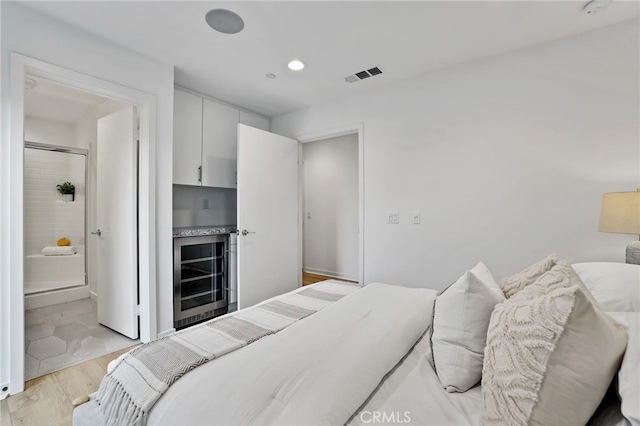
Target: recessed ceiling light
<point>224,21</point>
<point>296,65</point>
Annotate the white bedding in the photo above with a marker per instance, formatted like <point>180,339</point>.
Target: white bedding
<point>317,371</point>
<point>413,394</point>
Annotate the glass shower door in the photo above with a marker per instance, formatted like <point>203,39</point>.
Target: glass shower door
<point>54,217</point>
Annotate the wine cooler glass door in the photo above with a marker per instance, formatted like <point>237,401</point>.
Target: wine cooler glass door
<point>201,285</point>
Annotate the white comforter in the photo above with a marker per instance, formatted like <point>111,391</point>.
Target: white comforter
<point>317,371</point>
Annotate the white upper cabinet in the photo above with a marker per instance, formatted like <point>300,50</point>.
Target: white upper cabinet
<point>187,138</point>
<point>205,140</point>
<point>254,120</point>
<point>219,144</point>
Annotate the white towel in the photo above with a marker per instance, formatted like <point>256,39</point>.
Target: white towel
<point>59,251</point>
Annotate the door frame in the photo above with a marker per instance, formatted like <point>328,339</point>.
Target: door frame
<point>21,65</point>
<point>349,129</point>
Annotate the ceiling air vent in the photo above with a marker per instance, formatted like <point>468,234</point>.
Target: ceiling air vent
<point>372,72</point>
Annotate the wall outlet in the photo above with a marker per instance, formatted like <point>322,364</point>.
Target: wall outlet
<point>393,217</point>
<point>205,203</point>
<point>308,215</point>
<point>416,217</point>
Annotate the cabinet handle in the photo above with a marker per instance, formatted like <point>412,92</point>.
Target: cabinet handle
<point>200,174</point>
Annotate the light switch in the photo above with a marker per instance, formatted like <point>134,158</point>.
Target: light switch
<point>205,204</point>
<point>416,218</point>
<point>393,217</point>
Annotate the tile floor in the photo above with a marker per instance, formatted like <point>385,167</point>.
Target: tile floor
<point>59,336</point>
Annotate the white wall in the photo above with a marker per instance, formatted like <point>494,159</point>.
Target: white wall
<point>507,158</point>
<point>204,206</point>
<point>35,35</point>
<point>331,206</point>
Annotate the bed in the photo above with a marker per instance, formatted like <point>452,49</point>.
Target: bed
<point>365,355</point>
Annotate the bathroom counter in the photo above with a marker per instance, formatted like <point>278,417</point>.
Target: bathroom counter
<point>196,231</point>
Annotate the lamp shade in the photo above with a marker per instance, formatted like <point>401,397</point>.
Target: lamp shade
<point>620,213</point>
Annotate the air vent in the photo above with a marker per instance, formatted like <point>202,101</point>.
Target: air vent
<point>371,72</point>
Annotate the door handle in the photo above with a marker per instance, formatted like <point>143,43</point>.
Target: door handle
<point>98,232</point>
<point>245,232</point>
<point>200,174</point>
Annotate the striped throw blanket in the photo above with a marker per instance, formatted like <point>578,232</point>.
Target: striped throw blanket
<point>138,380</point>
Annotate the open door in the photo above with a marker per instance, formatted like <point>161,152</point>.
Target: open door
<point>267,215</point>
<point>117,230</point>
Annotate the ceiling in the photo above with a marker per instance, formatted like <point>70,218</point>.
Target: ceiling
<point>334,39</point>
<point>55,102</point>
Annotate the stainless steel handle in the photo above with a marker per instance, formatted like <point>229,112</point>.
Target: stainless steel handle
<point>245,232</point>
<point>200,174</point>
<point>98,232</point>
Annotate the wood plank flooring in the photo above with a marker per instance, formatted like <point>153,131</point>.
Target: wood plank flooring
<point>309,278</point>
<point>47,400</point>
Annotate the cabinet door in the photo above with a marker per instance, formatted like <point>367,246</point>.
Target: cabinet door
<point>219,145</point>
<point>187,138</point>
<point>254,120</point>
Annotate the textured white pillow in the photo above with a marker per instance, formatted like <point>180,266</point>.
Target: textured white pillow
<point>515,283</point>
<point>461,316</point>
<point>616,286</point>
<point>551,354</point>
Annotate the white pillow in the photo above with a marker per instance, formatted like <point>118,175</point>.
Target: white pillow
<point>512,284</point>
<point>616,286</point>
<point>461,315</point>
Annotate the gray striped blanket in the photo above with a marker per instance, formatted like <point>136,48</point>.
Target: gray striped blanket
<point>138,380</point>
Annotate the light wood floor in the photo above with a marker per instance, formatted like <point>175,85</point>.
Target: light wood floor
<point>309,278</point>
<point>47,400</point>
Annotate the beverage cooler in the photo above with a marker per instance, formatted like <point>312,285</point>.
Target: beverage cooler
<point>200,278</point>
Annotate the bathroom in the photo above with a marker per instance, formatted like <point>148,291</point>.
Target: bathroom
<point>60,193</point>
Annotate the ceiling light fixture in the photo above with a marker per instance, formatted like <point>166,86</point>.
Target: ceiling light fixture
<point>224,21</point>
<point>296,65</point>
<point>595,6</point>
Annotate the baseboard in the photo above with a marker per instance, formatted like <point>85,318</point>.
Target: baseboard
<point>331,274</point>
<point>166,333</point>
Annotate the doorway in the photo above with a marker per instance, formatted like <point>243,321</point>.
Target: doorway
<point>351,134</point>
<point>13,303</point>
<point>330,207</point>
<point>62,160</point>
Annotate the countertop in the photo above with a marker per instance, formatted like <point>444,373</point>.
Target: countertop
<point>196,231</point>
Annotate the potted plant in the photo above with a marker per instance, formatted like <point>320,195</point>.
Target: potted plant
<point>67,190</point>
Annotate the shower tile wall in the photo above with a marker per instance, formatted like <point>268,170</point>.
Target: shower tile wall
<point>46,217</point>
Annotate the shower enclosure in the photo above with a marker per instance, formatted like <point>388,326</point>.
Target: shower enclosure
<point>54,273</point>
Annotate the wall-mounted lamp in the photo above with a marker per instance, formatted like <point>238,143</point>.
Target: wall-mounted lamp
<point>620,214</point>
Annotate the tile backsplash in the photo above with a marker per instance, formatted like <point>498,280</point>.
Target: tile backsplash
<point>203,206</point>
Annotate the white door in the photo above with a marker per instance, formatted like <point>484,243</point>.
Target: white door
<point>267,215</point>
<point>117,222</point>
